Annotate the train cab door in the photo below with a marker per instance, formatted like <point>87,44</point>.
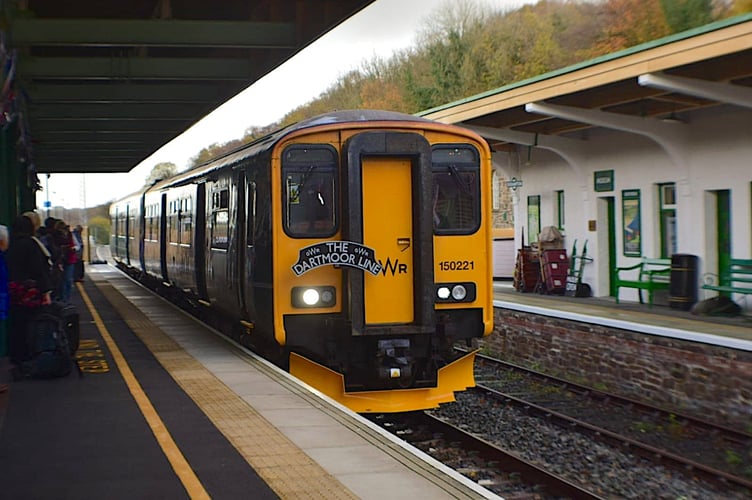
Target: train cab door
<point>163,237</point>
<point>200,241</point>
<point>128,233</point>
<point>388,210</point>
<point>246,250</point>
<point>242,259</point>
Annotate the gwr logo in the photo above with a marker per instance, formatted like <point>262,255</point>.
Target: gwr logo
<point>395,268</point>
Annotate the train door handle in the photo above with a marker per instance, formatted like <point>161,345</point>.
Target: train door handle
<point>404,243</point>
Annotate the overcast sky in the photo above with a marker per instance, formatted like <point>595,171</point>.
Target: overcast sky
<point>379,30</point>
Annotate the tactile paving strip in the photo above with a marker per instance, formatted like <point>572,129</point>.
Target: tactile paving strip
<point>285,468</point>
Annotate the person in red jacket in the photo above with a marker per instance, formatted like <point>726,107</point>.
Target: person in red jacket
<point>29,283</point>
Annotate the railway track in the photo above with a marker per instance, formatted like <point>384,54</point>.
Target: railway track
<point>717,454</point>
<point>535,436</point>
<point>499,471</point>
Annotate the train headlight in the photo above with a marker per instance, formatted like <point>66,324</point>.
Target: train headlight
<point>459,292</point>
<point>313,296</point>
<point>449,293</point>
<point>327,296</point>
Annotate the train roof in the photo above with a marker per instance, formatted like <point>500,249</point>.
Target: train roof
<point>267,142</point>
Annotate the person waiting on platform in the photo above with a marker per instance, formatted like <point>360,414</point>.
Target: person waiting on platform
<point>29,283</point>
<point>4,300</point>
<point>68,259</point>
<point>78,239</point>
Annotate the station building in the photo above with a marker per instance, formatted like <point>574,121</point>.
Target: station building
<point>644,153</point>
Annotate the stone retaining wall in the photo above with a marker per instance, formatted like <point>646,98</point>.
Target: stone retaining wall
<point>705,381</point>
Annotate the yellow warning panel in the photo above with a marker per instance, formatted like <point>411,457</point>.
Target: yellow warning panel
<point>388,229</point>
<point>456,376</point>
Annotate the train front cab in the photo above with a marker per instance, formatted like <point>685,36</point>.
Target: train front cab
<point>395,293</point>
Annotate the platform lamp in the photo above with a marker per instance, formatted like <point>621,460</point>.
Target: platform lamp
<point>47,203</point>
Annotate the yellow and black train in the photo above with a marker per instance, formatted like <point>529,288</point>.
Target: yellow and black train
<point>353,249</point>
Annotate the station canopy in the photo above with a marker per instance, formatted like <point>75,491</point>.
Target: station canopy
<point>651,89</point>
<point>105,84</point>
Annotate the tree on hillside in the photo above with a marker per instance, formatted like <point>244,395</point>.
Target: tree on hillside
<point>630,23</point>
<point>446,43</point>
<point>161,171</point>
<point>214,150</point>
<point>682,15</point>
<point>465,50</point>
<point>740,7</point>
<point>99,229</point>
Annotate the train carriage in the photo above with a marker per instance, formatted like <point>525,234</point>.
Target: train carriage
<point>155,226</point>
<point>353,249</point>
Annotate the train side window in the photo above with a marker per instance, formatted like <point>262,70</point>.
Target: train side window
<point>309,198</point>
<point>220,219</point>
<point>186,222</point>
<point>250,218</point>
<point>172,221</point>
<point>456,189</point>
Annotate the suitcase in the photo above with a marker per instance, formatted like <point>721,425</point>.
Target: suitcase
<point>48,347</point>
<point>555,268</point>
<point>527,270</point>
<point>68,314</point>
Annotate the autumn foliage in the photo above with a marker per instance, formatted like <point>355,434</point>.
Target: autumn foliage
<point>463,50</point>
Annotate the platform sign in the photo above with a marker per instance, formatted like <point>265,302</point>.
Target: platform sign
<point>603,180</point>
<point>514,183</point>
<point>47,204</point>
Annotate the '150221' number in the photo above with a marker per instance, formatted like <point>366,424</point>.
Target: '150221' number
<point>456,265</point>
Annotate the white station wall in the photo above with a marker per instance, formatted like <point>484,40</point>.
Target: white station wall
<point>714,152</point>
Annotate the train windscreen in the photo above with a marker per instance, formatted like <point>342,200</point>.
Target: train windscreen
<point>309,196</point>
<point>456,189</point>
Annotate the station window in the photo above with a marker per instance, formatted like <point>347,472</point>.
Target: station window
<point>533,218</point>
<point>667,218</point>
<point>309,196</point>
<point>456,189</point>
<point>496,190</point>
<point>560,219</point>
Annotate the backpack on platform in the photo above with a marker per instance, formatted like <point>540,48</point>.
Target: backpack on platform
<point>68,314</point>
<point>48,348</point>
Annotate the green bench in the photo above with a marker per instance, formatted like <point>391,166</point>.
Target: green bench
<point>652,274</point>
<point>737,278</point>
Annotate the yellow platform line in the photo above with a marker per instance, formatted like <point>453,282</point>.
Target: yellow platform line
<point>178,462</point>
<point>285,468</point>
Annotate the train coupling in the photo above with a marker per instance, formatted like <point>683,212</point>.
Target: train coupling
<point>395,358</point>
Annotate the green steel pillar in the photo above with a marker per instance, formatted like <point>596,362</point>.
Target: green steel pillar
<point>9,179</point>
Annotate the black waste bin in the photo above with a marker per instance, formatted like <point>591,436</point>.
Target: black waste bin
<point>682,289</point>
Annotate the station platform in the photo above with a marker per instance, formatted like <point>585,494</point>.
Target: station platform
<point>733,332</point>
<point>167,408</point>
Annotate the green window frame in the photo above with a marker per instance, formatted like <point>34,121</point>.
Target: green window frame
<point>631,222</point>
<point>667,218</point>
<point>533,217</point>
<point>560,210</point>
